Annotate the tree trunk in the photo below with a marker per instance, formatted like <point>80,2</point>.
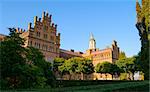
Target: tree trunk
<point>69,76</point>
<point>129,77</point>
<point>112,76</point>
<point>133,76</point>
<point>82,76</point>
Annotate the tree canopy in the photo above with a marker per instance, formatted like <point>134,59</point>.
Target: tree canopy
<point>76,65</point>
<point>22,67</point>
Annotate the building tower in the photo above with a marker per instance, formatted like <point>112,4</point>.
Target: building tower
<point>43,35</point>
<point>92,42</point>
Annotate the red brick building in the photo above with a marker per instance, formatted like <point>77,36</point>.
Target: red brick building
<point>43,35</point>
<point>110,54</point>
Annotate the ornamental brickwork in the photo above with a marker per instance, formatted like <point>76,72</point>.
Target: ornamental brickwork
<point>43,35</point>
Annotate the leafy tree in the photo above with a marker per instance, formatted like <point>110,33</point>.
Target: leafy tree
<point>128,65</point>
<point>57,62</point>
<point>76,65</point>
<point>12,59</point>
<point>143,26</point>
<point>22,67</point>
<point>32,77</point>
<point>35,57</point>
<point>67,68</point>
<point>85,66</point>
<point>115,70</point>
<point>122,55</point>
<point>104,67</point>
<point>63,68</point>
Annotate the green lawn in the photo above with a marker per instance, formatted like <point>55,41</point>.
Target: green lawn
<point>137,86</point>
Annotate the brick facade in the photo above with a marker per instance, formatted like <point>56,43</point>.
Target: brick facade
<point>43,35</point>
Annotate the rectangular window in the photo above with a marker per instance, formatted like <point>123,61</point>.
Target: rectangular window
<point>45,36</point>
<point>39,45</point>
<point>30,43</point>
<point>38,34</point>
<point>35,44</point>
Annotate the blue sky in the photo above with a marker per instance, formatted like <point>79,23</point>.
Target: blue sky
<point>108,20</point>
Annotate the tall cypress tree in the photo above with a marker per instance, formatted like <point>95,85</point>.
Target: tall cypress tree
<point>143,26</point>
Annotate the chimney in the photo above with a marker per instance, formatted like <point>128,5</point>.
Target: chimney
<point>72,50</point>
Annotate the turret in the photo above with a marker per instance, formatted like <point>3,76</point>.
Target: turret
<point>52,24</point>
<point>35,20</point>
<point>114,43</point>
<point>59,35</point>
<point>92,42</point>
<point>29,26</point>
<point>43,15</point>
<point>56,26</point>
<point>46,14</point>
<point>19,30</point>
<point>50,16</point>
<point>39,19</point>
<point>46,18</point>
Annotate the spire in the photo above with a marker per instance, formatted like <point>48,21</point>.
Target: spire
<point>91,36</point>
<point>92,42</point>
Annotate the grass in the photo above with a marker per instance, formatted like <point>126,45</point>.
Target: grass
<point>137,86</point>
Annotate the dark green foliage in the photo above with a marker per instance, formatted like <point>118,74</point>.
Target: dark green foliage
<point>104,67</point>
<point>84,66</point>
<point>36,58</point>
<point>143,26</point>
<point>22,67</point>
<point>76,65</point>
<point>129,65</point>
<point>115,70</point>
<point>12,60</point>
